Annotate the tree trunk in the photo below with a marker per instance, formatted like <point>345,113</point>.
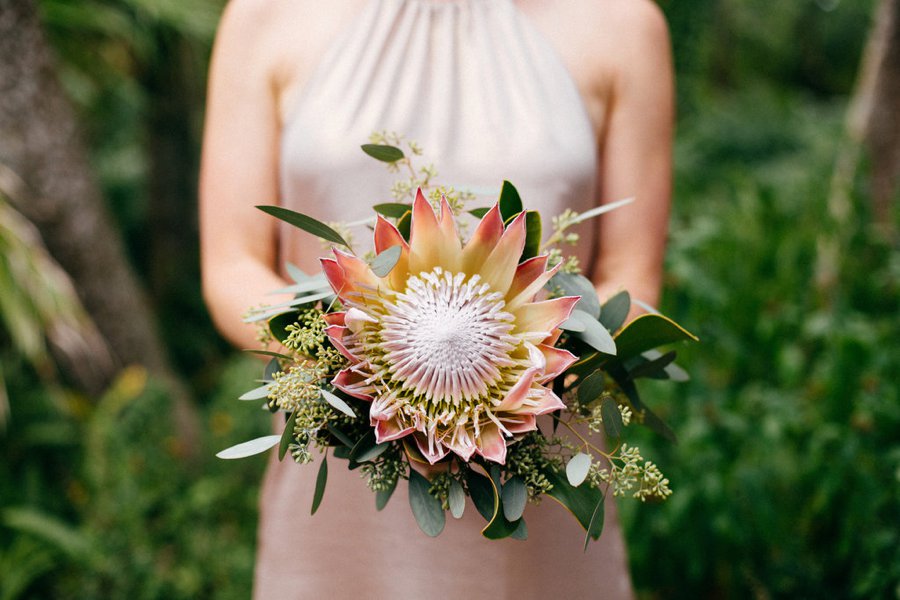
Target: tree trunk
<point>40,142</point>
<point>874,118</point>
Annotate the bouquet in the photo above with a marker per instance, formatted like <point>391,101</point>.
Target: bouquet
<point>481,368</point>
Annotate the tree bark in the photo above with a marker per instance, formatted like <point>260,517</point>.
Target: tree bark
<point>40,142</point>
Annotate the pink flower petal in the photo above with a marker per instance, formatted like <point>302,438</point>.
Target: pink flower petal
<point>519,392</point>
<point>541,318</point>
<point>352,383</point>
<point>558,360</point>
<point>491,444</point>
<point>432,244</point>
<point>386,235</point>
<point>531,276</point>
<point>432,455</point>
<point>499,268</point>
<point>335,318</point>
<point>335,333</point>
<point>388,430</point>
<point>520,423</point>
<point>335,275</point>
<point>547,402</point>
<point>483,241</point>
<point>356,271</point>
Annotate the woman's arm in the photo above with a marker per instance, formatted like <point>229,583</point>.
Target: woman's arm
<point>636,156</point>
<point>238,171</point>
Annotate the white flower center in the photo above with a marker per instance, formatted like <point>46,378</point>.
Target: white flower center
<point>447,338</point>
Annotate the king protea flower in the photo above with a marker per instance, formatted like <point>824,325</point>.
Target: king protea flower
<point>451,347</point>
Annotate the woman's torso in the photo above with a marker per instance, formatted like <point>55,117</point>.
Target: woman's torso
<point>489,96</point>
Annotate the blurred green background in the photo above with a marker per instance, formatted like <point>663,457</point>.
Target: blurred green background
<point>787,473</point>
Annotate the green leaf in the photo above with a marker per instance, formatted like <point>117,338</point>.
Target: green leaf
<point>366,449</point>
<point>386,260</point>
<point>577,468</point>
<point>481,490</point>
<point>383,496</point>
<point>514,494</point>
<point>457,499</point>
<point>269,353</point>
<point>647,332</point>
<point>521,532</point>
<point>573,284</point>
<point>653,368</point>
<point>321,480</point>
<point>596,524</point>
<point>479,213</point>
<point>313,284</point>
<point>533,234</point>
<point>581,501</point>
<point>341,436</point>
<point>306,223</point>
<point>338,404</point>
<point>593,334</point>
<point>383,152</point>
<point>244,449</point>
<point>394,210</point>
<point>612,418</point>
<point>425,507</point>
<point>510,202</point>
<point>256,393</point>
<point>296,273</point>
<point>272,367</point>
<point>287,435</point>
<point>404,223</point>
<point>615,311</point>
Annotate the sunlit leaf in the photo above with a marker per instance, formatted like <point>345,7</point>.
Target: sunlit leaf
<point>244,449</point>
<point>577,468</point>
<point>338,404</point>
<point>386,260</point>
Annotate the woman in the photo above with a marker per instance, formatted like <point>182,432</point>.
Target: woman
<point>572,101</point>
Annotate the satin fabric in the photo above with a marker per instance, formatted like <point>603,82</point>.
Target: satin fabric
<point>485,95</point>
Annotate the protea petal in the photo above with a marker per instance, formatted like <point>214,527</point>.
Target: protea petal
<point>520,423</point>
<point>531,277</point>
<point>491,444</point>
<point>519,392</point>
<point>483,241</point>
<point>386,235</point>
<point>389,429</point>
<point>335,318</point>
<point>353,384</point>
<point>544,401</point>
<point>430,243</point>
<point>335,334</point>
<point>356,272</point>
<point>557,361</point>
<point>500,266</point>
<point>540,318</point>
<point>433,452</point>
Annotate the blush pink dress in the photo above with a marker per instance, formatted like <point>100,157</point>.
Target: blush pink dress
<point>475,84</point>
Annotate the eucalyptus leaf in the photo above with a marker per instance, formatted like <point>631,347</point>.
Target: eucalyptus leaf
<point>306,223</point>
<point>573,284</point>
<point>596,524</point>
<point>521,531</point>
<point>457,499</point>
<point>479,212</point>
<point>577,468</point>
<point>338,404</point>
<point>514,495</point>
<point>366,448</point>
<point>383,496</point>
<point>596,212</point>
<point>341,437</point>
<point>655,367</point>
<point>573,324</point>
<point>296,273</point>
<point>591,387</point>
<point>481,490</point>
<point>270,353</point>
<point>312,285</point>
<point>647,332</point>
<point>594,334</point>
<point>425,507</point>
<point>383,152</point>
<point>279,323</point>
<point>394,210</point>
<point>321,480</point>
<point>671,370</point>
<point>287,435</point>
<point>615,310</point>
<point>256,394</point>
<point>245,449</point>
<point>386,261</point>
<point>581,501</point>
<point>612,418</point>
<point>510,201</point>
<point>272,367</point>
